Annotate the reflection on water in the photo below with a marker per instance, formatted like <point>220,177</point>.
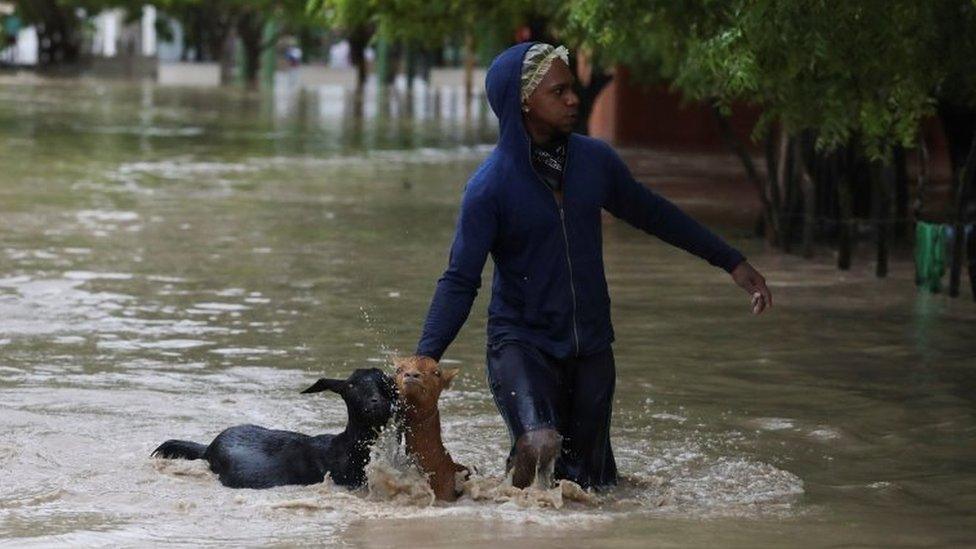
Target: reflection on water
<point>176,261</point>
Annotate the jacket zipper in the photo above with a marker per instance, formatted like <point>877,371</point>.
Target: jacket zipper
<point>569,262</point>
<point>562,222</point>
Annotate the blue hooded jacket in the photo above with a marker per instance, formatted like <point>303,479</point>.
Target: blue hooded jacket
<point>549,288</point>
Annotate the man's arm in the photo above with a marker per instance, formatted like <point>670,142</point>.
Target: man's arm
<point>636,204</point>
<point>639,206</point>
<point>473,239</point>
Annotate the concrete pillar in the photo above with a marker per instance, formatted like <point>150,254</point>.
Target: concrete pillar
<point>106,34</point>
<point>269,57</point>
<point>27,47</point>
<point>148,31</point>
<point>382,62</point>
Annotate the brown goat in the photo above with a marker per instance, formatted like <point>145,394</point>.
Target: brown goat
<point>420,382</point>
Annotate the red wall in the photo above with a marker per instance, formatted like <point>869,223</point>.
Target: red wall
<point>629,114</point>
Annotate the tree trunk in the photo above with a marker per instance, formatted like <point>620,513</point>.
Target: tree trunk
<point>883,177</point>
<point>250,29</point>
<point>775,163</point>
<point>971,252</point>
<point>409,66</point>
<point>959,127</point>
<point>740,151</point>
<point>769,155</point>
<point>955,266</point>
<point>788,192</point>
<point>826,170</point>
<point>358,39</point>
<point>845,201</point>
<point>58,35</point>
<point>387,71</point>
<point>227,56</point>
<point>809,194</point>
<point>922,178</point>
<point>964,183</point>
<point>216,31</point>
<point>469,60</point>
<point>901,224</point>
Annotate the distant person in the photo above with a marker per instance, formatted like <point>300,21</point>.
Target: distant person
<point>339,55</point>
<point>293,55</point>
<point>535,205</point>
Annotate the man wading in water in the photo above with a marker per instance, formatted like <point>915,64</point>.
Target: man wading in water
<point>535,205</point>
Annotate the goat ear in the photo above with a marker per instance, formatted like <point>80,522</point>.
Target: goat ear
<point>326,384</point>
<point>448,375</point>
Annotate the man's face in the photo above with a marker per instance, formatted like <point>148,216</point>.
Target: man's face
<point>554,103</point>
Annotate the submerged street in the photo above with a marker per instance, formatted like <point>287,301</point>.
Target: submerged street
<point>174,261</point>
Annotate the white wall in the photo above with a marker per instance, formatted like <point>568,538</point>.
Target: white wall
<point>148,31</point>
<point>188,74</point>
<point>25,52</point>
<point>107,26</point>
<point>171,51</point>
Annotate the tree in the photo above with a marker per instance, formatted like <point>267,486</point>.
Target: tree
<point>211,26</point>
<point>207,27</point>
<point>59,25</point>
<point>844,85</point>
<point>427,25</point>
<point>253,19</point>
<point>355,19</point>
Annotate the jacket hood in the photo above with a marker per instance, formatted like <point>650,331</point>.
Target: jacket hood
<point>502,86</point>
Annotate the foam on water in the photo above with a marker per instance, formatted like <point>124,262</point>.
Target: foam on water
<point>773,423</point>
<point>729,483</point>
<point>86,275</point>
<point>148,131</point>
<point>184,468</point>
<point>221,307</point>
<point>716,415</point>
<point>133,175</point>
<point>185,167</point>
<point>397,489</point>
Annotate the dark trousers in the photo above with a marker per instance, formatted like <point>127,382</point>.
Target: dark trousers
<point>574,396</point>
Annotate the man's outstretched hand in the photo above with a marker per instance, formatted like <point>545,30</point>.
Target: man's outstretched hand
<point>751,281</point>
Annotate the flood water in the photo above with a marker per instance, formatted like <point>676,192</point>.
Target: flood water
<point>177,261</point>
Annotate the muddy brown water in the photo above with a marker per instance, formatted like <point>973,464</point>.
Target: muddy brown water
<point>176,261</point>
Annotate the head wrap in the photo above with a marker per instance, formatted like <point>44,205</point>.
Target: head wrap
<point>536,64</point>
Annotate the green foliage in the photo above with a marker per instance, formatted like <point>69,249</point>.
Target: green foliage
<point>35,12</point>
<point>870,69</point>
<point>60,24</point>
<point>432,22</point>
<point>8,26</point>
<point>423,22</point>
<point>635,33</point>
<point>207,23</point>
<point>343,15</point>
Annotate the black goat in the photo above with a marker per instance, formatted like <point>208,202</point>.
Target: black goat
<point>248,456</point>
